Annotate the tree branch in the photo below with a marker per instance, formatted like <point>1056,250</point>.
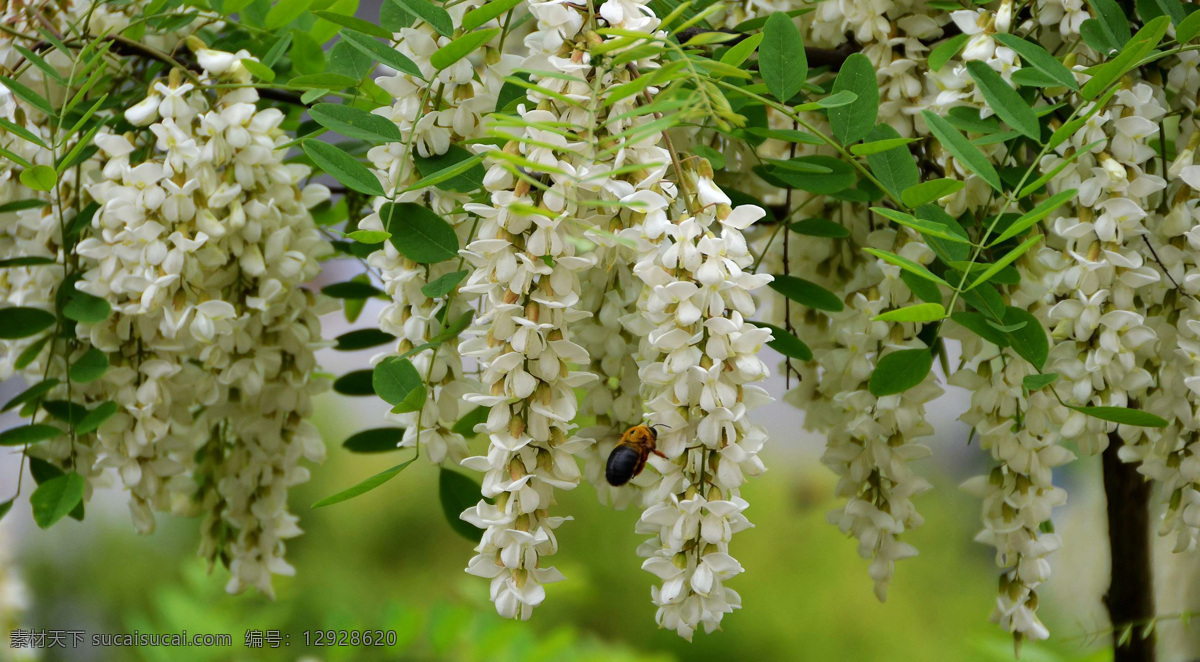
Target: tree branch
<point>130,48</point>
<point>1130,596</point>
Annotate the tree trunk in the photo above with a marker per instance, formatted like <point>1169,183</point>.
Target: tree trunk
<point>1130,597</point>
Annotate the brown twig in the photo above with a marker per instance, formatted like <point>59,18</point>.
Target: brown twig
<point>130,48</point>
<point>1130,596</point>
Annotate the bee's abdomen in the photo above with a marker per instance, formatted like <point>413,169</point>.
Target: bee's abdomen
<point>622,464</point>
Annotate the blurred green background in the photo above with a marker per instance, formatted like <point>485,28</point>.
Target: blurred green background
<point>389,560</point>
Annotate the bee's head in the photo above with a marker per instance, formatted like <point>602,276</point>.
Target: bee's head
<point>654,429</point>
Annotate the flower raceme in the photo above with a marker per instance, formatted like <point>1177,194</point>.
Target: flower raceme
<point>198,245</point>
<point>572,212</point>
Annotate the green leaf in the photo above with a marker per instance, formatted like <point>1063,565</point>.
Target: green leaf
<point>1148,10</point>
<point>1131,54</point>
<point>906,264</point>
<point>1005,261</point>
<point>878,146</point>
<point>741,51</point>
<point>785,343</point>
<point>1004,100</point>
<point>816,174</point>
<point>86,308</point>
<point>356,24</point>
<point>28,96</point>
<point>1064,132</point>
<point>781,58</point>
<point>1030,77</point>
<point>284,12</point>
<point>945,51</point>
<point>986,300</point>
<point>511,94</point>
<point>443,285</point>
<point>899,371</point>
<point>1038,382</point>
<point>383,53</point>
<point>962,149</point>
<point>55,498</point>
<point>431,14</point>
<point>1037,57</point>
<point>852,122</point>
<point>365,486</point>
<point>277,50</point>
<point>466,425</point>
<point>355,123</point>
<point>786,135</point>
<point>838,99</point>
<point>819,227</point>
<point>921,312</point>
<point>1123,416</point>
<point>259,70</point>
<point>307,56</point>
<point>419,234</point>
<point>393,18</point>
<point>458,493</point>
<point>930,228</point>
<point>969,120</point>
<point>82,149</point>
<point>89,367</point>
<point>343,167</point>
<point>362,339</point>
<point>30,353</point>
<point>21,322</point>
<point>30,394</point>
<point>376,440</point>
<point>895,168</point>
<point>356,383</point>
<point>397,381</point>
<point>456,50</point>
<point>6,506</point>
<point>369,237</point>
<point>1112,20</point>
<point>29,434</point>
<point>715,159</point>
<point>1189,28</point>
<point>39,178</point>
<point>24,133</point>
<point>930,191</point>
<point>37,61</point>
<point>921,288</point>
<point>352,289</point>
<point>1041,181</point>
<point>96,417</point>
<point>1029,341</point>
<point>457,170</point>
<point>807,293</point>
<point>1094,36</point>
<point>707,38</point>
<point>486,12</point>
<point>1033,216</point>
<point>21,205</point>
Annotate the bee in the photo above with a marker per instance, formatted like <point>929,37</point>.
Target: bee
<point>629,457</point>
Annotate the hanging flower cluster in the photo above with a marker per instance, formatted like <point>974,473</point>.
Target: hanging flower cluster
<point>182,364</point>
<point>200,250</point>
<point>586,218</point>
<point>699,359</point>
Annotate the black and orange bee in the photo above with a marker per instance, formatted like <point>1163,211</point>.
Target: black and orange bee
<point>629,457</point>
